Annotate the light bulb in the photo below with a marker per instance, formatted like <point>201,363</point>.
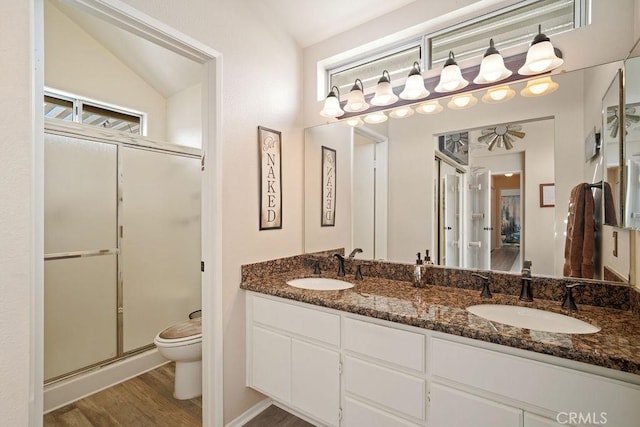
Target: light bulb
<point>430,107</point>
<point>538,87</point>
<point>401,112</point>
<point>461,101</point>
<point>375,118</point>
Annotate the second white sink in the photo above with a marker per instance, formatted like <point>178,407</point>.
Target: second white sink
<point>320,284</point>
<point>531,318</point>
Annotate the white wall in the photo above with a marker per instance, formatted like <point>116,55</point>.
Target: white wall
<point>77,63</point>
<point>17,248</point>
<point>184,117</point>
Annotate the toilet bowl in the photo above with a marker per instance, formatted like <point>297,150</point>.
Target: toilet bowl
<point>182,343</point>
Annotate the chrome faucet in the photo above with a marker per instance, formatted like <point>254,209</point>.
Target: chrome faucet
<point>340,264</point>
<point>354,252</point>
<point>525,291</point>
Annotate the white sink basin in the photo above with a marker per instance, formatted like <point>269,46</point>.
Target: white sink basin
<point>320,284</point>
<point>531,318</point>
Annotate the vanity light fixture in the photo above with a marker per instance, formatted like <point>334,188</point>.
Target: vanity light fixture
<point>451,77</point>
<point>539,87</point>
<point>414,86</point>
<point>355,100</point>
<point>492,68</point>
<point>332,104</point>
<point>384,92</point>
<point>498,94</point>
<point>541,56</point>
<point>401,112</point>
<point>462,101</point>
<point>508,175</point>
<point>429,107</point>
<point>354,122</point>
<point>375,118</point>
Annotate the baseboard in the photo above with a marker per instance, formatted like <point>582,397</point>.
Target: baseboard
<point>65,392</point>
<point>251,413</point>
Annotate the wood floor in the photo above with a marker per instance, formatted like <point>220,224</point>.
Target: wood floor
<point>504,258</point>
<point>147,400</point>
<point>274,416</point>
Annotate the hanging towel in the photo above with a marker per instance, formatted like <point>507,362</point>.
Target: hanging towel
<point>610,217</point>
<point>579,244</point>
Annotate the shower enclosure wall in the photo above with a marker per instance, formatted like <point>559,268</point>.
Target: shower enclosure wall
<point>122,245</point>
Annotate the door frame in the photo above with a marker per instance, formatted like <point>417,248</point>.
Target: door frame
<point>126,17</point>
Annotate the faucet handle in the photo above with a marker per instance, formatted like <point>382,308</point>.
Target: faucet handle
<point>358,275</point>
<point>316,266</point>
<point>486,292</point>
<point>568,302</point>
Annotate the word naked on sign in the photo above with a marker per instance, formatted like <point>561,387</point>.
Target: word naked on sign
<point>270,178</point>
<point>328,187</point>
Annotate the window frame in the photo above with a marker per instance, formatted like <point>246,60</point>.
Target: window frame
<point>78,108</point>
<point>581,18</point>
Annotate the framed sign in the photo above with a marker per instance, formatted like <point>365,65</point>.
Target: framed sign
<point>547,195</point>
<point>328,218</point>
<point>269,143</point>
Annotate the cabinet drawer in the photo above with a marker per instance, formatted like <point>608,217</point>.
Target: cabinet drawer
<point>306,322</point>
<point>358,414</point>
<point>402,348</point>
<point>391,389</point>
<point>544,385</point>
<point>450,407</point>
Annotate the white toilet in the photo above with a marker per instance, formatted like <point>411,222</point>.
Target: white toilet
<point>182,343</point>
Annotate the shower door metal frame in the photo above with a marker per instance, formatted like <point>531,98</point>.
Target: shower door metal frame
<point>120,140</point>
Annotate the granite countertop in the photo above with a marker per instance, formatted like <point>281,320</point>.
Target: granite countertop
<point>443,309</point>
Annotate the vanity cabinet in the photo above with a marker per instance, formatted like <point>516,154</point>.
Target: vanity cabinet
<point>293,357</point>
<point>522,383</point>
<point>342,369</point>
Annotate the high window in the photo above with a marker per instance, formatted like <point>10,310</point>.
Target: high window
<point>509,27</point>
<point>74,109</point>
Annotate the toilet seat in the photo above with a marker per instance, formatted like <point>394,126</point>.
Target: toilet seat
<point>183,333</point>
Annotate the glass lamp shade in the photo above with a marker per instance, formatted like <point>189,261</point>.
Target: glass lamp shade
<point>492,70</point>
<point>414,88</point>
<point>355,100</point>
<point>331,106</point>
<point>401,112</point>
<point>539,87</point>
<point>384,95</point>
<point>375,118</point>
<point>451,79</point>
<point>498,94</point>
<point>460,102</point>
<point>541,56</point>
<point>430,107</point>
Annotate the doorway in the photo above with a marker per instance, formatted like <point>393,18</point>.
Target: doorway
<point>132,21</point>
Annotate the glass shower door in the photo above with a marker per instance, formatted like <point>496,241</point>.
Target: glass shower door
<point>80,254</point>
<point>160,242</point>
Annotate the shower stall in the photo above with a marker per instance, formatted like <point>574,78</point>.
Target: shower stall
<point>122,245</point>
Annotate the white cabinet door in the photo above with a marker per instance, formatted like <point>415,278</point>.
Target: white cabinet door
<point>531,420</point>
<point>315,381</point>
<point>271,364</point>
<point>449,407</point>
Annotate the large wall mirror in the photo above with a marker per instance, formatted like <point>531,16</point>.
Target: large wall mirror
<point>632,140</point>
<point>508,203</point>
